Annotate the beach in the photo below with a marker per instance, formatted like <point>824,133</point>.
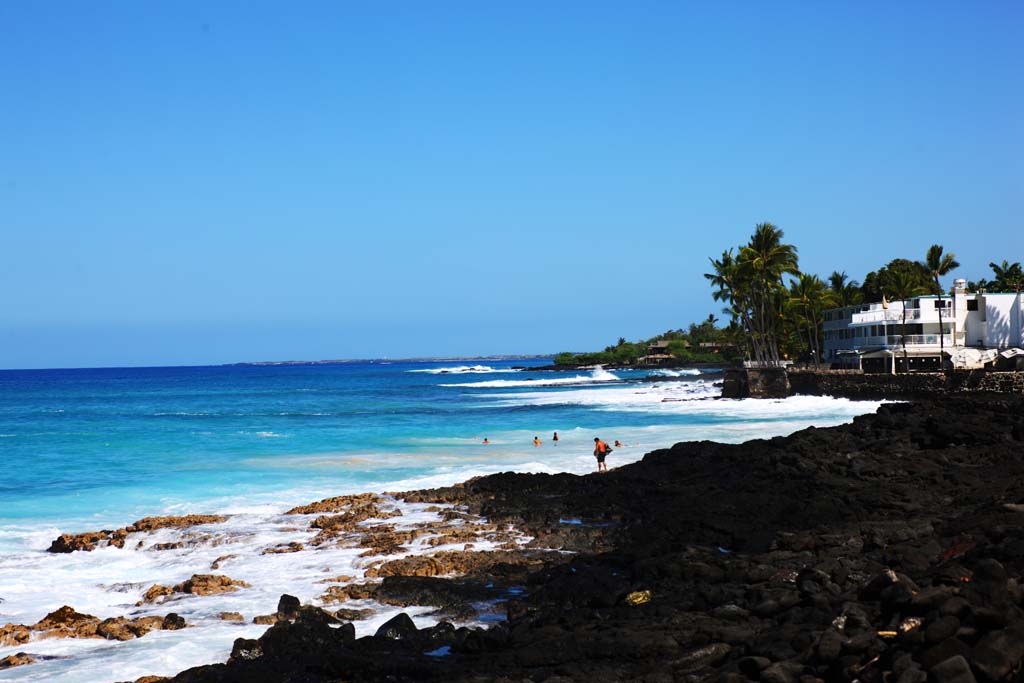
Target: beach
<point>103,450</point>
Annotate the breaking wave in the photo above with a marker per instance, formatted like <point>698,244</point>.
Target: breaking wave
<point>463,370</point>
<point>598,374</point>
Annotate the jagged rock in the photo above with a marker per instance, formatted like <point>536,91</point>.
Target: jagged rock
<point>245,649</point>
<point>13,634</point>
<point>209,584</point>
<point>363,591</point>
<point>399,627</point>
<point>90,540</point>
<point>173,522</point>
<point>292,547</point>
<point>122,628</point>
<point>231,616</point>
<point>220,560</point>
<point>17,659</point>
<point>288,606</point>
<point>67,623</point>
<point>172,622</point>
<point>353,614</point>
<point>450,562</point>
<point>337,504</point>
<point>155,592</point>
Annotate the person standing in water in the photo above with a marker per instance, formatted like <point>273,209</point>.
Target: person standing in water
<point>601,451</point>
<point>486,441</point>
<point>536,441</point>
<point>555,438</point>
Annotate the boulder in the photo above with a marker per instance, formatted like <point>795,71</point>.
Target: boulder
<point>17,659</point>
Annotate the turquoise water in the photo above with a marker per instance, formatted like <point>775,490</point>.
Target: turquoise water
<point>102,444</point>
<point>111,441</point>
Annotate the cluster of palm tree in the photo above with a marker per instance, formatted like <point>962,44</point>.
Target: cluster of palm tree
<point>750,283</point>
<point>1009,277</point>
<point>777,320</point>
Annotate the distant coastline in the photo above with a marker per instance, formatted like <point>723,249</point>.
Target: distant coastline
<point>428,359</point>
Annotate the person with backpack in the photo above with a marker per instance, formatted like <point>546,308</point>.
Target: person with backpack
<point>601,451</point>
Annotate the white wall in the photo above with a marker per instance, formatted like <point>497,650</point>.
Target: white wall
<point>1003,315</point>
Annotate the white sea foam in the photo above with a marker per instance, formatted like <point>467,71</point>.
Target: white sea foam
<point>598,374</point>
<point>685,372</point>
<point>464,370</point>
<point>110,581</point>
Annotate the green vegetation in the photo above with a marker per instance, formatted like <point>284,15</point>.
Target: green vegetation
<point>783,321</point>
<point>1009,277</point>
<point>772,320</point>
<point>702,342</point>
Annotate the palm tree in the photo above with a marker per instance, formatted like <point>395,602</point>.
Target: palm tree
<point>1008,276</point>
<point>808,293</point>
<point>761,264</point>
<point>725,278</point>
<point>938,264</point>
<point>904,287</point>
<point>845,292</point>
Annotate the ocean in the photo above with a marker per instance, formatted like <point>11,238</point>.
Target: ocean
<point>97,449</point>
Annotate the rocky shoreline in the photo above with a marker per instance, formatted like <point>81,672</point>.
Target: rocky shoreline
<point>890,549</point>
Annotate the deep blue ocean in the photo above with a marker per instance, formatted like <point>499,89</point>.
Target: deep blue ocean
<point>99,448</point>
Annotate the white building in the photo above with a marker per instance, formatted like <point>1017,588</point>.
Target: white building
<point>977,328</point>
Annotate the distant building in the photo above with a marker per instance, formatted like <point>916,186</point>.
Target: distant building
<point>977,329</point>
<point>657,352</point>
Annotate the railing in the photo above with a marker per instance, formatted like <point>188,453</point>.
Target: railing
<point>888,316</point>
<point>894,340</point>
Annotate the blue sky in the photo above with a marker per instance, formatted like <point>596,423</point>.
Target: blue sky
<point>186,182</point>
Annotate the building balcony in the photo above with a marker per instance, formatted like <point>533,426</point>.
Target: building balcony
<point>893,340</point>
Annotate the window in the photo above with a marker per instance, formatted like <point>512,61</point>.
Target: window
<point>972,304</point>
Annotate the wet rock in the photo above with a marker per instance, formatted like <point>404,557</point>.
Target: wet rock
<point>353,614</point>
<point>174,522</point>
<point>90,540</point>
<point>221,560</point>
<point>292,547</point>
<point>121,628</point>
<point>17,659</point>
<point>172,622</point>
<point>67,623</point>
<point>155,592</point>
<point>288,606</point>
<point>245,649</point>
<point>13,634</point>
<point>209,584</point>
<point>399,627</point>
<point>337,504</point>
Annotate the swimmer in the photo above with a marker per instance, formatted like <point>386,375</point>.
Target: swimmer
<point>618,444</point>
<point>536,441</point>
<point>555,438</point>
<point>486,441</point>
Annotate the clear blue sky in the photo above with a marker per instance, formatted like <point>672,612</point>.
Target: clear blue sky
<point>206,182</point>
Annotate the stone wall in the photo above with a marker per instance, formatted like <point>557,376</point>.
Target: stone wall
<point>855,384</point>
<point>755,383</point>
